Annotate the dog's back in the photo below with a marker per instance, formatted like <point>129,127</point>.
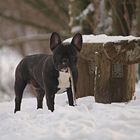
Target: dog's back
<point>30,69</point>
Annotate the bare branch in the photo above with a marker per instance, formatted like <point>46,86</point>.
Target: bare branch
<point>28,38</point>
<point>43,8</point>
<point>24,39</point>
<point>25,22</point>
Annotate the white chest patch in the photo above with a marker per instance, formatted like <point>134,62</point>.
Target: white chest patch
<point>63,81</point>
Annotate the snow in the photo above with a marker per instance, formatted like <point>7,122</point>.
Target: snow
<point>82,16</point>
<point>105,23</point>
<point>102,38</point>
<point>76,29</point>
<point>9,58</point>
<point>86,121</point>
<point>89,9</point>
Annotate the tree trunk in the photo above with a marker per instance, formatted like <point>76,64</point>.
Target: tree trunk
<point>80,20</point>
<point>122,16</point>
<point>138,17</point>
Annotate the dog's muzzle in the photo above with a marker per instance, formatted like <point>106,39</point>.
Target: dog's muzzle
<point>63,68</point>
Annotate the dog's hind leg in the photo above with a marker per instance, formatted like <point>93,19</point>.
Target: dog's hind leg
<point>40,96</point>
<point>70,96</point>
<point>19,88</point>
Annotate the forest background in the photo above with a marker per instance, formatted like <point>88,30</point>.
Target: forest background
<point>26,25</point>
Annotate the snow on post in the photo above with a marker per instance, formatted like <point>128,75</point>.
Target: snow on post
<point>106,67</point>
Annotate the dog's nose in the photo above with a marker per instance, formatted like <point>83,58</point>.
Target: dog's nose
<point>65,61</point>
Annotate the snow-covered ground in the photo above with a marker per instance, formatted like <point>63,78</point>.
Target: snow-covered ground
<point>86,121</point>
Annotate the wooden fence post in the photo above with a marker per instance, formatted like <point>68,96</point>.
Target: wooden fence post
<point>86,71</point>
<point>107,71</point>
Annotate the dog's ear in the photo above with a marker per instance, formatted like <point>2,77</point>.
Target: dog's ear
<point>55,40</point>
<point>77,41</point>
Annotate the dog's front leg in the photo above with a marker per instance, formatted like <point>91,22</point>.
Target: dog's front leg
<point>70,96</point>
<point>50,96</point>
<point>74,77</point>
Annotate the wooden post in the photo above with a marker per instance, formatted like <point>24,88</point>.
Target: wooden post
<point>86,71</point>
<point>107,70</point>
<point>102,93</point>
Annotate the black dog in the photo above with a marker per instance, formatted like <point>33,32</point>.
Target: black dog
<point>44,71</point>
